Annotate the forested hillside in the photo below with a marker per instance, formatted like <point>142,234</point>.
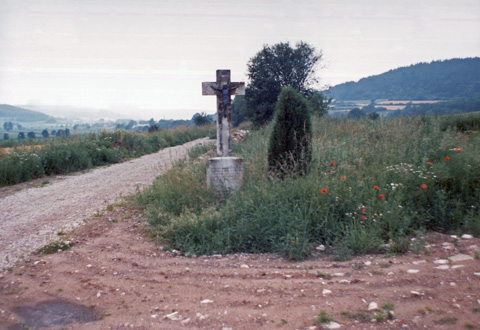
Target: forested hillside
<point>438,80</point>
<point>9,112</point>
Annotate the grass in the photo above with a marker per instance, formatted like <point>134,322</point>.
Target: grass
<point>323,275</point>
<point>360,316</point>
<point>364,316</point>
<point>323,318</point>
<point>388,306</point>
<point>371,186</point>
<point>55,246</point>
<point>446,320</point>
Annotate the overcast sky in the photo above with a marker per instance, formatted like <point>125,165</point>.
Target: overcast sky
<point>148,58</point>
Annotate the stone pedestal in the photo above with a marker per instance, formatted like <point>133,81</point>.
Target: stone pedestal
<point>225,174</point>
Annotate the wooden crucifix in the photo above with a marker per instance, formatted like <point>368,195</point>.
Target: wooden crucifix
<point>223,88</point>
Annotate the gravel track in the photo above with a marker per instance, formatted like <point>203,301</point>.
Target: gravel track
<point>31,218</point>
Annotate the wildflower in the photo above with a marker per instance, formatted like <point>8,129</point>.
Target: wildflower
<point>429,163</point>
<point>364,153</point>
<point>458,149</point>
<point>332,163</point>
<point>447,159</point>
<point>363,217</point>
<point>364,211</point>
<point>424,186</point>
<point>324,191</point>
<point>376,187</point>
<point>380,196</point>
<point>342,178</point>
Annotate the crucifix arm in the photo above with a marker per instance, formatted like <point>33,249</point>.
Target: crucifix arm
<point>215,88</point>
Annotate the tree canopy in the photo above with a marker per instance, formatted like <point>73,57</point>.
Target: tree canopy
<point>8,126</point>
<point>201,119</point>
<point>238,109</point>
<point>275,67</point>
<point>356,113</point>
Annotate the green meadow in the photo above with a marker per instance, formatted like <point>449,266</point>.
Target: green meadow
<point>371,187</point>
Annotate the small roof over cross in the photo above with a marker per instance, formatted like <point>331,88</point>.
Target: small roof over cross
<point>223,88</point>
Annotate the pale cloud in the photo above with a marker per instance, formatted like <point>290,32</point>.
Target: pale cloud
<point>155,54</point>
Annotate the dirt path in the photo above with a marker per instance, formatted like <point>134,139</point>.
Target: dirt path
<point>30,218</point>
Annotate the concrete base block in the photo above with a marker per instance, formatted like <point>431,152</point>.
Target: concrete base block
<point>225,174</point>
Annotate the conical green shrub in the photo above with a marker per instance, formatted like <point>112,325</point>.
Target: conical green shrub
<point>289,150</point>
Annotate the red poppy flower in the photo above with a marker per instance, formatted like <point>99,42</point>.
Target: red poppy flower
<point>380,196</point>
<point>364,211</point>
<point>429,163</point>
<point>342,178</point>
<point>376,187</point>
<point>458,149</point>
<point>447,159</point>
<point>363,217</point>
<point>424,186</point>
<point>324,191</point>
<point>332,163</point>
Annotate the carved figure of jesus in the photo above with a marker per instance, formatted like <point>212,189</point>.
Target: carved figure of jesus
<point>225,96</point>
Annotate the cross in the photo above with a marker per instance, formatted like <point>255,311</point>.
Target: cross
<point>223,88</point>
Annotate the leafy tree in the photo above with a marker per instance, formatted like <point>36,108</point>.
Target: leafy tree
<point>239,106</point>
<point>289,149</point>
<point>54,133</point>
<point>131,124</point>
<point>6,136</point>
<point>356,113</point>
<point>373,116</point>
<point>45,133</point>
<point>153,128</point>
<point>31,135</point>
<point>318,103</point>
<point>201,119</point>
<point>273,68</point>
<point>8,126</point>
<point>370,108</point>
<point>60,132</point>
<point>67,132</point>
<point>21,135</point>
<point>19,126</point>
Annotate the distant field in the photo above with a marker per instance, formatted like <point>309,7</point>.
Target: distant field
<point>405,102</point>
<point>390,105</point>
<point>394,107</point>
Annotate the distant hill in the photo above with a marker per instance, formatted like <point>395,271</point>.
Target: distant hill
<point>9,112</point>
<point>438,80</point>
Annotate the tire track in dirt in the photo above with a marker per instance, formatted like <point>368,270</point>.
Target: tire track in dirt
<point>30,218</point>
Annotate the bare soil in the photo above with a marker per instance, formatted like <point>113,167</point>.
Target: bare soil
<point>115,277</point>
